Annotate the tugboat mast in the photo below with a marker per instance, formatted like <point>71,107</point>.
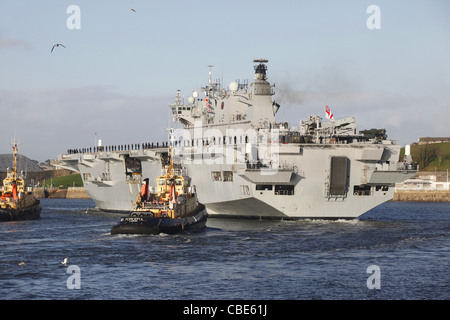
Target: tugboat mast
<point>170,169</point>
<point>16,149</point>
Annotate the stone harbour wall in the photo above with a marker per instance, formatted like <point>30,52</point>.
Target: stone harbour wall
<point>425,196</point>
<point>69,193</point>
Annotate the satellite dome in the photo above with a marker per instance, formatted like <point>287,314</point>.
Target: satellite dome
<point>233,86</point>
<point>191,100</point>
<point>195,94</point>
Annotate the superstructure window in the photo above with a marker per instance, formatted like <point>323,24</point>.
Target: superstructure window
<point>264,187</point>
<point>284,190</point>
<point>227,176</point>
<point>362,190</point>
<point>381,188</point>
<point>216,176</point>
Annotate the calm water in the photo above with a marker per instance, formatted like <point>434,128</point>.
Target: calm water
<point>231,259</point>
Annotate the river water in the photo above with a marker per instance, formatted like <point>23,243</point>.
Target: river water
<point>399,250</point>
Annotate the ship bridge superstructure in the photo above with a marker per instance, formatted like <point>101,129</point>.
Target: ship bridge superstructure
<point>239,105</point>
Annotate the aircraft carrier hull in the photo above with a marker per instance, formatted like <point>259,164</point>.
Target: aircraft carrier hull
<point>238,190</point>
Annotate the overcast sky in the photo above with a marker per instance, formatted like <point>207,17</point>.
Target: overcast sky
<point>121,69</point>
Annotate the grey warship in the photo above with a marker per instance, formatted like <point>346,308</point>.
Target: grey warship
<point>245,163</point>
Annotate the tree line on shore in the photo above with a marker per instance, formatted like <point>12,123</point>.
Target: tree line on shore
<point>431,157</point>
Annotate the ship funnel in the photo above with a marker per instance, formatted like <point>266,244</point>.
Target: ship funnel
<point>260,69</point>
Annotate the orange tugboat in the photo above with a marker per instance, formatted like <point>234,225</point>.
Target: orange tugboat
<point>17,201</point>
<point>173,208</point>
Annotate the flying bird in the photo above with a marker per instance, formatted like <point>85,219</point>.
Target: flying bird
<point>64,262</point>
<point>133,10</point>
<point>57,45</point>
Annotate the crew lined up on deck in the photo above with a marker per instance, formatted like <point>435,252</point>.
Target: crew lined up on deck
<point>143,146</point>
<point>120,147</point>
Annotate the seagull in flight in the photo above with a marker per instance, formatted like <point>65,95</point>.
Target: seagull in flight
<point>133,10</point>
<point>64,262</point>
<point>57,45</point>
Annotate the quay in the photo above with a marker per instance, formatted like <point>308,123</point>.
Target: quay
<point>426,188</point>
<point>60,193</point>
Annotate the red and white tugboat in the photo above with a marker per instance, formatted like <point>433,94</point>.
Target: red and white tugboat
<point>173,207</point>
<point>17,201</point>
